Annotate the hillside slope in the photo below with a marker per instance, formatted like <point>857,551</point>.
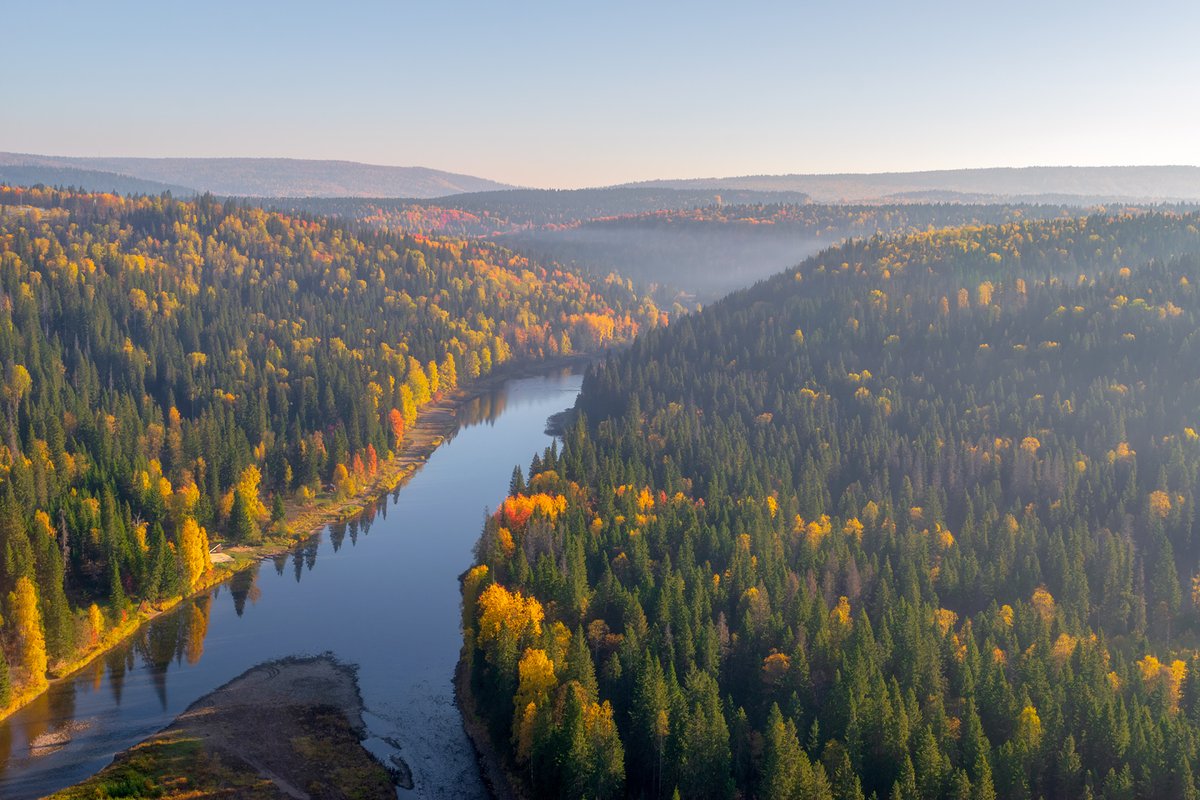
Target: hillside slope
<point>269,177</point>
<point>1054,184</point>
<point>914,520</point>
<point>87,180</point>
<point>175,372</point>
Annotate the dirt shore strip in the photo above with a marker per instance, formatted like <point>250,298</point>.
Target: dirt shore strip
<point>283,730</point>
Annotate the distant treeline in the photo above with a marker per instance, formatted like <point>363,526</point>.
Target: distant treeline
<point>492,213</point>
<point>700,243</point>
<point>715,249</point>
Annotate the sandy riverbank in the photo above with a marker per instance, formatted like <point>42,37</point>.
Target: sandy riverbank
<point>287,730</point>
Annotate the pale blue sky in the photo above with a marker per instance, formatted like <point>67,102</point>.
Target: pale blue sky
<point>573,94</point>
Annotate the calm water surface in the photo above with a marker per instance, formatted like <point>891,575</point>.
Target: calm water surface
<point>381,593</point>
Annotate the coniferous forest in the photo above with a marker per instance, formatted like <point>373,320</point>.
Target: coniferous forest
<point>177,374</point>
<point>609,401</point>
<point>915,519</point>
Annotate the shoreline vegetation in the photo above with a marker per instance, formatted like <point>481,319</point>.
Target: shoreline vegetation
<point>283,729</point>
<point>501,782</point>
<point>179,370</point>
<point>914,519</point>
<point>436,421</point>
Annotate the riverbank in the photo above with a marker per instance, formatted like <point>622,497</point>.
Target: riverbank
<point>120,632</point>
<point>501,782</point>
<point>289,729</point>
<point>435,422</point>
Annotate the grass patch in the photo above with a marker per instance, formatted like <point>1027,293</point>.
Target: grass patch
<point>169,767</point>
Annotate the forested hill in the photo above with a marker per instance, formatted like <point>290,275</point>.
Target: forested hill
<point>697,242</point>
<point>913,520</point>
<point>174,372</point>
<point>242,177</point>
<point>1082,185</point>
<point>718,248</point>
<point>494,213</point>
<point>86,180</point>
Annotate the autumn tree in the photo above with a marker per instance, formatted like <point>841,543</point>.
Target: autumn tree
<point>246,510</point>
<point>194,556</point>
<point>26,621</point>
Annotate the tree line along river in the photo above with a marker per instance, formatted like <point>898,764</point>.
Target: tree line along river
<point>381,592</point>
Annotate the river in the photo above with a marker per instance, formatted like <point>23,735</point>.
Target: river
<point>380,592</point>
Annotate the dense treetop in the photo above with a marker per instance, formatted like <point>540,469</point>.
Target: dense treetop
<point>912,520</point>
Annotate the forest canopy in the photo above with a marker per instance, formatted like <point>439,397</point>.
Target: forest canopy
<point>173,372</point>
<point>912,520</point>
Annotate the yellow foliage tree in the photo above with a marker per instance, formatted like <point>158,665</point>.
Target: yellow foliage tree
<point>985,293</point>
<point>523,722</point>
<point>535,682</point>
<point>248,484</point>
<point>1006,615</point>
<point>472,587</point>
<point>435,381</point>
<point>945,619</point>
<point>1043,603</point>
<point>1150,667</point>
<point>193,553</point>
<point>41,524</point>
<point>30,637</point>
<point>1160,504</point>
<point>775,668</point>
<point>853,528</point>
<point>418,382</point>
<point>517,510</point>
<point>1170,676</point>
<point>840,615</point>
<point>408,406</point>
<point>1029,727</point>
<point>448,373</point>
<point>95,624</point>
<point>507,622</point>
<point>184,501</point>
<point>1064,646</point>
<point>343,483</point>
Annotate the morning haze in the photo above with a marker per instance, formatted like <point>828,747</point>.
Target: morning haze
<point>625,401</point>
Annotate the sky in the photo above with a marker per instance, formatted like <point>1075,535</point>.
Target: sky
<point>570,94</point>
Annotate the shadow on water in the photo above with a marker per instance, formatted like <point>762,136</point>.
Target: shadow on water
<point>244,586</point>
<point>135,689</point>
<point>51,722</point>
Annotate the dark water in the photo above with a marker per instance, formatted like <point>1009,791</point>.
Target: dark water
<point>381,592</point>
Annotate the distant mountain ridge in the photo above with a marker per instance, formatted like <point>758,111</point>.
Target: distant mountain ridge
<point>1129,183</point>
<point>87,180</point>
<point>239,177</point>
<point>303,178</point>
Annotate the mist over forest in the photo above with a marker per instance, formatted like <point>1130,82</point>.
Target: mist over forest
<point>629,401</point>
